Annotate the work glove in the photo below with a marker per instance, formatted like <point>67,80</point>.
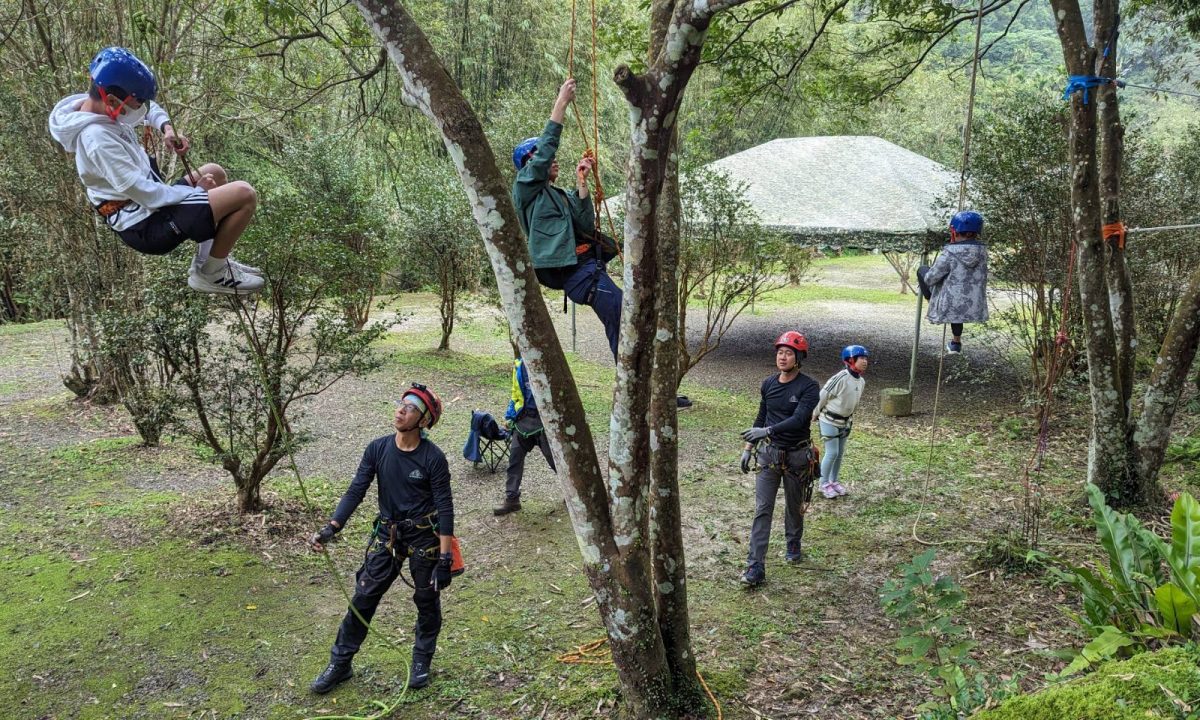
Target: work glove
<point>323,536</point>
<point>755,434</point>
<point>441,572</point>
<point>746,460</point>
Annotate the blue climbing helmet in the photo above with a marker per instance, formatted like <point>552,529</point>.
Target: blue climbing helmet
<point>522,151</point>
<point>116,67</point>
<point>967,221</point>
<point>854,351</point>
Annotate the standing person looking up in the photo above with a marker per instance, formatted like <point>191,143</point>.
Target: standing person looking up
<point>415,522</point>
<point>834,415</point>
<point>525,434</point>
<point>783,443</point>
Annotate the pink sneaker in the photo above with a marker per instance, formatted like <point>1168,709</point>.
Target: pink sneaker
<point>829,491</point>
<point>840,489</point>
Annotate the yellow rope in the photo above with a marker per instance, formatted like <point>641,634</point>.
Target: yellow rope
<point>592,654</point>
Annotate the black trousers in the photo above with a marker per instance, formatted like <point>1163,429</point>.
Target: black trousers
<point>379,570</point>
<point>520,446</point>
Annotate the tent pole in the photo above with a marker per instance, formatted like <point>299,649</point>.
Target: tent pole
<point>912,366</point>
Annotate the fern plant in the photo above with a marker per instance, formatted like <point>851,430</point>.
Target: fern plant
<point>1148,593</point>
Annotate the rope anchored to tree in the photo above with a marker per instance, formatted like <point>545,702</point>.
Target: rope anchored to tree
<point>595,653</point>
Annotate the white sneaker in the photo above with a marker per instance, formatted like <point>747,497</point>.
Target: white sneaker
<point>243,267</point>
<point>248,269</point>
<point>226,281</point>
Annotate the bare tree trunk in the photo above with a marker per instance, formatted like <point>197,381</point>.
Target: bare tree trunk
<point>1108,449</point>
<point>617,566</point>
<point>1166,383</point>
<point>666,524</point>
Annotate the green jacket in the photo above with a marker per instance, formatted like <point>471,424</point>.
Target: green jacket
<point>550,216</point>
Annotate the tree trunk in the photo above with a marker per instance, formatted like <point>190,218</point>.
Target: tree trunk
<point>666,517</point>
<point>1108,448</point>
<point>617,566</point>
<point>1166,384</point>
<point>248,498</point>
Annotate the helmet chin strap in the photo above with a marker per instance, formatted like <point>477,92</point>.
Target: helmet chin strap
<point>113,113</point>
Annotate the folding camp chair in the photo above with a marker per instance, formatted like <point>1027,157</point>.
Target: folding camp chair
<point>487,443</point>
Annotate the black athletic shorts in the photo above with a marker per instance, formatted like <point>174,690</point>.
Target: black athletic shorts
<point>169,226</point>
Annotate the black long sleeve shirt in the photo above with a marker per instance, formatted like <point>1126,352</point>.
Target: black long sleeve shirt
<point>787,409</point>
<point>411,484</point>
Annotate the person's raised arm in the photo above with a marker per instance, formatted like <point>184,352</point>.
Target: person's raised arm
<point>566,94</point>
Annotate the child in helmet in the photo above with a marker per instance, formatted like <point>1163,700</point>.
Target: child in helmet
<point>555,221</point>
<point>835,412</point>
<point>125,187</point>
<point>783,443</point>
<point>956,285</point>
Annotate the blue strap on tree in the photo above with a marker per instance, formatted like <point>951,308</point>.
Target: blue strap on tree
<point>1075,83</point>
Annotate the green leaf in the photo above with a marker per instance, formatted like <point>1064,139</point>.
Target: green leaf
<point>1107,645</point>
<point>918,645</point>
<point>1114,530</point>
<point>1183,557</point>
<point>1175,608</point>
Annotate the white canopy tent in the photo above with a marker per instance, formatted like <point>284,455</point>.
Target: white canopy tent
<point>845,191</point>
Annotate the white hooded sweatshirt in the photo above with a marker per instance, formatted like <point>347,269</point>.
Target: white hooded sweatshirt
<point>112,163</point>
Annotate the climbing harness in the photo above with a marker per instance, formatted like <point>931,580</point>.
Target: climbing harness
<point>779,461</point>
<point>384,533</point>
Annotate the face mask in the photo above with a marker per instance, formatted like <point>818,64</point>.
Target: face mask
<point>133,117</point>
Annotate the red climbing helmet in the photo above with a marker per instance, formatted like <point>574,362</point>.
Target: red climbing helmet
<point>794,340</point>
<point>432,403</point>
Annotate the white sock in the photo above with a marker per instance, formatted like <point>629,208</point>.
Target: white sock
<point>202,251</point>
<point>213,265</point>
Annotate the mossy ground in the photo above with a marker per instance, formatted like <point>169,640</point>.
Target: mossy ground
<point>133,590</point>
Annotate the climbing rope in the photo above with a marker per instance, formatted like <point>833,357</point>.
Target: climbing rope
<point>962,201</point>
<point>592,146</point>
<point>595,653</point>
<point>251,335</point>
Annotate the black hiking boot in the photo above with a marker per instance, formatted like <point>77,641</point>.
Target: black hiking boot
<point>333,675</point>
<point>418,675</point>
<point>509,506</point>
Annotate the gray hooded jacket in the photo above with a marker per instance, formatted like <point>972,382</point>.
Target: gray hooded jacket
<point>958,284</point>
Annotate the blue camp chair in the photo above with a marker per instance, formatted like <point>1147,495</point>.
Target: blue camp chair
<point>487,443</point>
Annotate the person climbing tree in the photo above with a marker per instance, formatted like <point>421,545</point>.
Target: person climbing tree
<point>560,225</point>
<point>526,433</point>
<point>784,451</point>
<point>125,186</point>
<point>956,285</point>
<point>834,415</point>
<point>416,521</point>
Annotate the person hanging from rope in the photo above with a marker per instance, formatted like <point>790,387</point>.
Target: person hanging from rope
<point>126,188</point>
<point>526,433</point>
<point>415,522</point>
<point>782,444</point>
<point>834,415</point>
<point>566,249</point>
<point>956,284</point>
